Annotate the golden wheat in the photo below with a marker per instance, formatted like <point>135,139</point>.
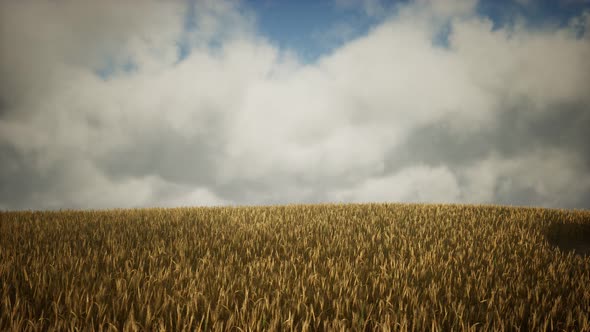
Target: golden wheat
<point>386,267</point>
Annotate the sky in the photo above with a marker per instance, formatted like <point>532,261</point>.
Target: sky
<point>123,104</point>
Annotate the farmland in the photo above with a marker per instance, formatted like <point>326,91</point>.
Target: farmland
<point>296,267</point>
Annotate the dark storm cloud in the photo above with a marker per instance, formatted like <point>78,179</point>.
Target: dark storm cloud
<point>507,194</point>
<point>279,188</point>
<point>4,107</point>
<point>166,153</point>
<point>516,130</point>
<point>18,177</point>
<point>30,182</point>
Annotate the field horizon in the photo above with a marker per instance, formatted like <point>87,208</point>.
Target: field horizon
<point>327,203</point>
<point>325,266</point>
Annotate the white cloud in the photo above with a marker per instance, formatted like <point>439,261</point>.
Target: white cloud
<point>544,67</point>
<point>416,184</point>
<point>263,126</point>
<point>196,197</point>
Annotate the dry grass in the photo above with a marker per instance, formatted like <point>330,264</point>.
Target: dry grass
<point>307,267</point>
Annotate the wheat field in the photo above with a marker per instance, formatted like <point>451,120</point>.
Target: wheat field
<point>384,267</point>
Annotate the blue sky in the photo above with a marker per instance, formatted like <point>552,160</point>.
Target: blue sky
<point>309,27</point>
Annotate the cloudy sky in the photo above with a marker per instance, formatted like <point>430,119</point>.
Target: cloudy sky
<point>108,104</point>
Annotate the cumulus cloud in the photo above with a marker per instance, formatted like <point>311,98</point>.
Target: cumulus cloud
<point>421,184</point>
<point>106,104</point>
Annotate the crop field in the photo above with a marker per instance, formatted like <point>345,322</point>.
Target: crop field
<point>384,267</point>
